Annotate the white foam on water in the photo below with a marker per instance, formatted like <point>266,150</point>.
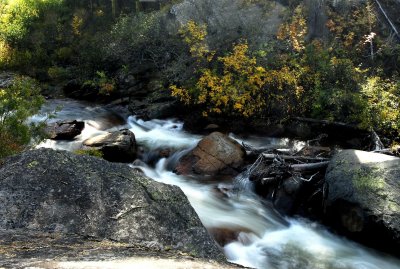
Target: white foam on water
<point>161,133</point>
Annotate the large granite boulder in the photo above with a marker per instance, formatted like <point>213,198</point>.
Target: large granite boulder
<point>119,146</point>
<point>363,200</point>
<point>215,154</point>
<point>67,195</point>
<point>65,130</point>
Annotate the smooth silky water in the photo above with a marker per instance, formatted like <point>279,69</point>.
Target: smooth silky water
<point>265,239</point>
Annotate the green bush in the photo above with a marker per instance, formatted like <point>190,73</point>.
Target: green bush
<point>17,103</point>
<point>57,73</point>
<point>383,100</point>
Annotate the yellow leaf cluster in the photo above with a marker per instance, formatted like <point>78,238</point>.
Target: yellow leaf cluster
<point>77,22</point>
<point>295,30</point>
<point>194,35</point>
<point>240,89</point>
<point>181,93</point>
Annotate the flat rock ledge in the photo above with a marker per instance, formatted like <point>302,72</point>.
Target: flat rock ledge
<point>28,249</point>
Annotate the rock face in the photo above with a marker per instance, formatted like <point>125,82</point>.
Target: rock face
<point>65,130</point>
<point>66,194</point>
<point>118,146</point>
<point>215,154</point>
<point>6,79</point>
<point>229,20</point>
<point>364,197</point>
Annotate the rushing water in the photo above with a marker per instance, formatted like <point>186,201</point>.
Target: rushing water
<point>265,239</point>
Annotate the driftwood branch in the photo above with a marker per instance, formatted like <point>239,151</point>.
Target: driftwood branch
<point>310,178</point>
<point>326,122</point>
<point>309,166</point>
<point>294,158</point>
<point>254,152</point>
<point>388,19</point>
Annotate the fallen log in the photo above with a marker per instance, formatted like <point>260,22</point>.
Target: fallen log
<point>327,122</point>
<point>308,166</point>
<point>294,158</point>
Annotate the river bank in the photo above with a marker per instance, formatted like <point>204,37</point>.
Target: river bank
<point>247,227</point>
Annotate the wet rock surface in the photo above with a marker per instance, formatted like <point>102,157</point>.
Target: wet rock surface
<point>215,154</point>
<point>60,195</point>
<point>364,198</point>
<point>65,130</point>
<point>118,146</point>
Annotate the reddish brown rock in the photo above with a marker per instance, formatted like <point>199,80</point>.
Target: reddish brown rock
<point>215,154</point>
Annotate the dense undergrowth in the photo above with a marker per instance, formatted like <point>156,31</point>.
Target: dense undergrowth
<point>338,61</point>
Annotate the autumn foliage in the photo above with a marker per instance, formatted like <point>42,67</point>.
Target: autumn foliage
<point>237,85</point>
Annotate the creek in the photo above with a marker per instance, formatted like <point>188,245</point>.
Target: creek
<point>263,238</point>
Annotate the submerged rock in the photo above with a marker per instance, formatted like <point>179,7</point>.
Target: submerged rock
<point>215,154</point>
<point>118,146</point>
<point>364,198</point>
<point>65,130</point>
<point>46,192</point>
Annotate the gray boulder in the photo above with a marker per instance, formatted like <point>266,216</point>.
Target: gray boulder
<point>118,146</point>
<point>363,200</point>
<point>68,195</point>
<point>215,154</point>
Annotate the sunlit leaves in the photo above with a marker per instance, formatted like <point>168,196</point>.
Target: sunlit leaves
<point>295,30</point>
<point>17,15</point>
<point>194,35</point>
<point>17,103</point>
<point>240,87</point>
<point>383,104</point>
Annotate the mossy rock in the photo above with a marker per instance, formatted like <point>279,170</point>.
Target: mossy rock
<point>363,200</point>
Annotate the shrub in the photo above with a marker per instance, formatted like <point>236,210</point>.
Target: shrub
<point>383,99</point>
<point>234,84</point>
<point>17,103</point>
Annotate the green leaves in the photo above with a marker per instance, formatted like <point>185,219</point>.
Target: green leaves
<point>17,15</point>
<point>17,104</point>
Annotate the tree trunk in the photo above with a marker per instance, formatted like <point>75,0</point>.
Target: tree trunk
<point>114,8</point>
<point>388,19</point>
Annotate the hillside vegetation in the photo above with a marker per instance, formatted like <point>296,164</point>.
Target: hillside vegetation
<point>249,59</point>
